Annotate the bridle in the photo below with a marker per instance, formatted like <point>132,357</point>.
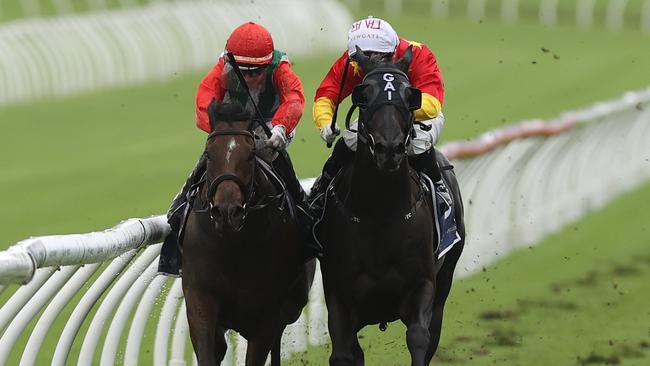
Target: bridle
<point>246,189</point>
<point>387,94</point>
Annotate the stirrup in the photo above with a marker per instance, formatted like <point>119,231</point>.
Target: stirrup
<point>443,192</point>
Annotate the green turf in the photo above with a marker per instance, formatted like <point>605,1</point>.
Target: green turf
<point>579,298</point>
<point>71,165</point>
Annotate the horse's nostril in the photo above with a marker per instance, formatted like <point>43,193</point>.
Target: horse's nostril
<point>237,211</point>
<point>400,149</point>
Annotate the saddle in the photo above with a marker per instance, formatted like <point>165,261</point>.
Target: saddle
<point>439,197</point>
<point>443,213</point>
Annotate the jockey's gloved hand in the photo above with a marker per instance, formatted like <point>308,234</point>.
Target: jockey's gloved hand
<point>327,134</point>
<point>278,139</point>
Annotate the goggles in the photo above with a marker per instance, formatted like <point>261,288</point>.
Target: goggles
<point>252,70</point>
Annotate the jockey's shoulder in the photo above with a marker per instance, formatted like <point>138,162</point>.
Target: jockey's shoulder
<point>418,47</point>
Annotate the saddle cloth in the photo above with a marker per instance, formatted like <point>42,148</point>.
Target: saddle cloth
<point>444,216</point>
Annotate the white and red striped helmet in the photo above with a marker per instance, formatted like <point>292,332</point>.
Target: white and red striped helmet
<point>372,35</point>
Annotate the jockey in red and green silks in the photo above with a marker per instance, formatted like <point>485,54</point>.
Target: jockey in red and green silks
<point>276,87</point>
<point>278,93</point>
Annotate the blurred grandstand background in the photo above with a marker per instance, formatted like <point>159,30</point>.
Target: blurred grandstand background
<point>615,15</point>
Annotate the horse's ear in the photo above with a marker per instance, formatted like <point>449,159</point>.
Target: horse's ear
<point>212,113</point>
<point>404,62</point>
<point>414,98</point>
<point>362,59</point>
<point>359,97</point>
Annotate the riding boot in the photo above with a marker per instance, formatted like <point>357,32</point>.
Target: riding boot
<point>340,155</point>
<point>427,164</point>
<point>170,255</point>
<point>283,165</point>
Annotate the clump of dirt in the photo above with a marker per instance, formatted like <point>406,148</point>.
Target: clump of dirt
<point>445,356</point>
<point>596,359</point>
<point>620,352</point>
<point>498,315</point>
<point>625,271</point>
<point>546,304</point>
<point>505,337</point>
<point>465,339</point>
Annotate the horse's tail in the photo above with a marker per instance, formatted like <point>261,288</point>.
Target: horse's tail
<point>275,352</point>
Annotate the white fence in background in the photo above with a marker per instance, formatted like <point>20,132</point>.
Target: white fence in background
<point>35,8</point>
<point>519,184</point>
<point>69,54</point>
<point>548,13</point>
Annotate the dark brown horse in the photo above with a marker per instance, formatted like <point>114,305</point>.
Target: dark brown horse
<point>242,261</point>
<point>378,231</point>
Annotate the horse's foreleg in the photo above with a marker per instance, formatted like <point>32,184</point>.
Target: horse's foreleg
<point>444,280</point>
<point>207,339</point>
<point>345,345</point>
<point>261,343</point>
<point>220,345</point>
<point>358,353</point>
<point>416,312</point>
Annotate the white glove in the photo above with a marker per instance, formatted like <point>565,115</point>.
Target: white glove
<point>278,139</point>
<point>327,134</point>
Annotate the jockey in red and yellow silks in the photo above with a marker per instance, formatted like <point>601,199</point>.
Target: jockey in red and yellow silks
<point>279,96</point>
<point>424,74</point>
<point>377,38</point>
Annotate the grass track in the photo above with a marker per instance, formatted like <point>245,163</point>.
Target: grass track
<point>578,298</point>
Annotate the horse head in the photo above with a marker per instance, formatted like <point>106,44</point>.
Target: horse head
<point>230,150</point>
<point>386,102</point>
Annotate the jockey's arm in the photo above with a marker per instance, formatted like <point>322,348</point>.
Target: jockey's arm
<point>292,97</point>
<point>209,88</point>
<point>328,90</point>
<point>424,74</point>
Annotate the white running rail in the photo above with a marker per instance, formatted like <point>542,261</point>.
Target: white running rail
<point>519,184</point>
<point>69,54</point>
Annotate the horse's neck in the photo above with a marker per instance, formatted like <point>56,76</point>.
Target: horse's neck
<point>378,194</point>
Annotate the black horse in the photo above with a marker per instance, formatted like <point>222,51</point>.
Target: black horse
<point>243,267</point>
<point>378,230</point>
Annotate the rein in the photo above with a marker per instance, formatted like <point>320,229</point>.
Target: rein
<point>367,110</point>
<point>247,189</point>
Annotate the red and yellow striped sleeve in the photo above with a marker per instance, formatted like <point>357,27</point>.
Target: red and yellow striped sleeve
<point>425,75</point>
<point>328,90</point>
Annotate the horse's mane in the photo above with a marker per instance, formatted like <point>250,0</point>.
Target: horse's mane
<point>227,112</point>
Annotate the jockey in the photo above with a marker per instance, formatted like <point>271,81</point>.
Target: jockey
<point>377,38</point>
<point>279,95</point>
